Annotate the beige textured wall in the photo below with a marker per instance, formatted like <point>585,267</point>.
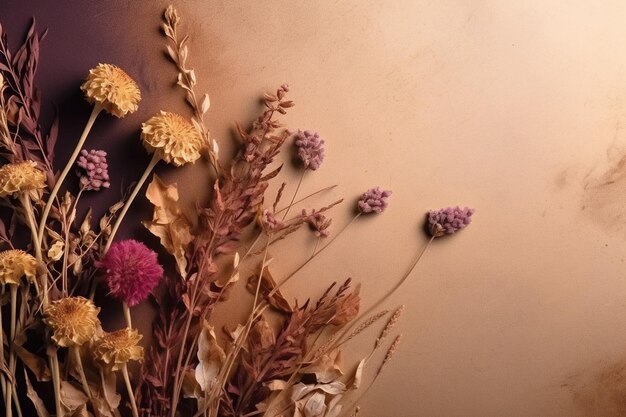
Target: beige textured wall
<point>515,108</point>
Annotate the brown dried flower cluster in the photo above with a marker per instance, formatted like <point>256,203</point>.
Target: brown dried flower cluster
<point>73,321</point>
<point>20,177</point>
<point>15,264</point>
<point>172,137</point>
<point>113,89</point>
<point>114,350</point>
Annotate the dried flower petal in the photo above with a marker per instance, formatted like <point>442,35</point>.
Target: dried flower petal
<point>270,222</point>
<point>94,174</point>
<point>73,321</point>
<point>450,220</point>
<point>113,89</point>
<point>19,177</point>
<point>114,350</point>
<point>310,149</point>
<point>173,137</point>
<point>15,264</point>
<point>318,222</point>
<point>373,200</point>
<point>131,271</point>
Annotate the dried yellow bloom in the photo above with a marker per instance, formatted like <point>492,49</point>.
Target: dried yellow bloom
<point>19,177</point>
<point>172,137</point>
<point>113,89</point>
<point>114,350</point>
<point>15,264</point>
<point>73,320</point>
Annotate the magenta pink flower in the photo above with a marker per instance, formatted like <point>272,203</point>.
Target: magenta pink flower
<point>131,271</point>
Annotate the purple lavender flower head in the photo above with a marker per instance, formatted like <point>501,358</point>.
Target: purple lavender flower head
<point>373,200</point>
<point>310,149</point>
<point>94,170</point>
<point>449,220</point>
<point>131,271</point>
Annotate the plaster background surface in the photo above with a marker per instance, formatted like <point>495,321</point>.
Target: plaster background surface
<point>515,108</point>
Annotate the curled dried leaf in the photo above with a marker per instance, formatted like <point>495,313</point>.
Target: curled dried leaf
<point>267,285</point>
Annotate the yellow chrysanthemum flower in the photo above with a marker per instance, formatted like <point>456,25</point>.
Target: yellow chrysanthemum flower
<point>172,137</point>
<point>113,89</point>
<point>73,320</point>
<point>20,176</point>
<point>15,264</point>
<point>114,350</point>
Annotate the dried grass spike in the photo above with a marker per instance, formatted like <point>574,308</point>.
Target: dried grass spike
<point>367,323</point>
<point>392,322</point>
<point>390,352</point>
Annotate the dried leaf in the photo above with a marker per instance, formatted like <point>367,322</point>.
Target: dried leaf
<point>168,222</point>
<point>35,363</point>
<point>326,368</point>
<point>262,335</point>
<point>56,250</point>
<point>357,377</point>
<point>205,104</point>
<point>72,398</point>
<point>109,384</point>
<point>315,405</point>
<point>210,356</point>
<point>267,285</point>
<point>40,407</point>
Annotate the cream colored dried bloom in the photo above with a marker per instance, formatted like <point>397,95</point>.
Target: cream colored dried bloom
<point>114,350</point>
<point>15,264</point>
<point>172,137</point>
<point>73,320</point>
<point>20,176</point>
<point>113,89</point>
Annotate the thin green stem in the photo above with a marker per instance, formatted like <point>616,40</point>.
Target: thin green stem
<point>155,159</point>
<point>57,186</point>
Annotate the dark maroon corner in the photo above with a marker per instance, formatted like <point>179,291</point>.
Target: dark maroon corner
<point>81,34</point>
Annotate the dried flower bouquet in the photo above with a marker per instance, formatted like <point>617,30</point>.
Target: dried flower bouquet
<point>55,356</point>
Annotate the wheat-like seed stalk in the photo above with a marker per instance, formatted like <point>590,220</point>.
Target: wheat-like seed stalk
<point>390,352</point>
<point>392,322</point>
<point>367,323</point>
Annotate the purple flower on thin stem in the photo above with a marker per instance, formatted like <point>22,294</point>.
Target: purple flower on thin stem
<point>373,200</point>
<point>310,149</point>
<point>449,220</point>
<point>94,170</point>
<point>131,271</point>
<point>319,223</point>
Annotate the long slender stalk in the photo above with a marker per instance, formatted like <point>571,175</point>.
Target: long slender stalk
<point>305,263</point>
<point>9,399</point>
<point>294,194</point>
<point>3,381</point>
<point>129,389</point>
<point>126,309</point>
<point>155,159</point>
<point>81,371</point>
<point>381,300</point>
<point>44,218</point>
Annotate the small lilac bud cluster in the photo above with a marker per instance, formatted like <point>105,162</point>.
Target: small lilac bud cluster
<point>94,173</point>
